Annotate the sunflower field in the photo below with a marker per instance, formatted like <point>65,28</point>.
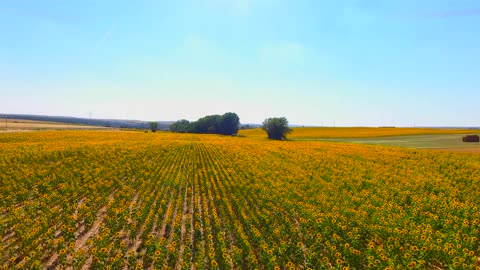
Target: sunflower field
<point>134,200</point>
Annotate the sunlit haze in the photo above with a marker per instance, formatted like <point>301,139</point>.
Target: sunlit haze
<point>343,63</point>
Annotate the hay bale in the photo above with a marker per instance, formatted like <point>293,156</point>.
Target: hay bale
<point>471,138</point>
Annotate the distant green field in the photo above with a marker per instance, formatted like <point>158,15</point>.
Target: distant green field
<point>437,141</point>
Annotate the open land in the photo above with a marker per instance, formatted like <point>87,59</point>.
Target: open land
<point>16,125</point>
<point>451,142</point>
<point>420,138</point>
<point>98,199</point>
<point>314,133</point>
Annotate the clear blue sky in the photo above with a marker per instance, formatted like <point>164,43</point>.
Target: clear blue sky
<point>352,62</point>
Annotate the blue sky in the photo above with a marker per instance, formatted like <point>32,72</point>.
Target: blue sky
<point>348,62</point>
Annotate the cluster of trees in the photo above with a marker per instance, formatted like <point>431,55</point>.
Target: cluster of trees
<point>227,124</point>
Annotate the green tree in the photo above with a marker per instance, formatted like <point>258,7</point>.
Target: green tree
<point>180,126</point>
<point>229,123</point>
<point>153,126</point>
<point>276,128</point>
<point>208,124</point>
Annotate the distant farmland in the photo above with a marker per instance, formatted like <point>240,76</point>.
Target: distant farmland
<point>123,200</point>
<point>11,125</point>
<point>421,138</point>
<point>356,132</point>
<point>450,142</point>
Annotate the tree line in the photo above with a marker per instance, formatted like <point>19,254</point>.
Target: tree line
<point>226,124</point>
<point>229,124</point>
